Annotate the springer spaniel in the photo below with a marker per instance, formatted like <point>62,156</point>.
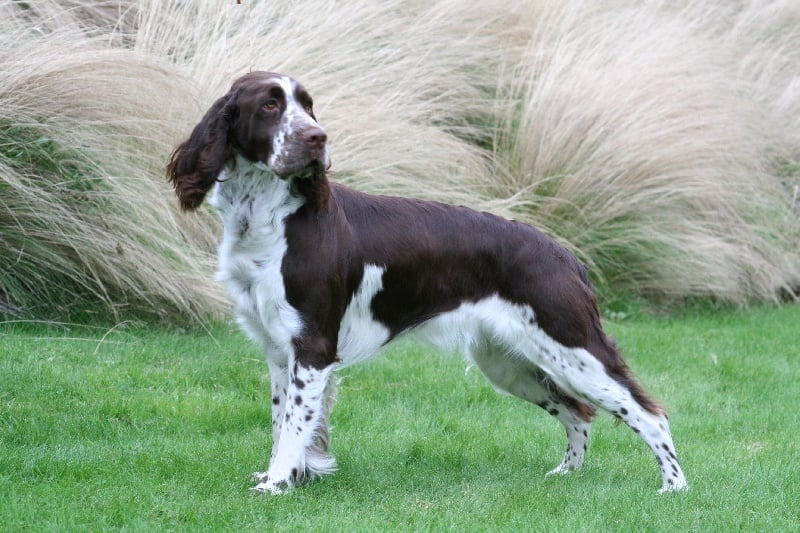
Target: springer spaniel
<point>324,276</point>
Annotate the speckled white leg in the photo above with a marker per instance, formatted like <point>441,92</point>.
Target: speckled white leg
<point>299,454</point>
<point>577,372</point>
<point>279,381</point>
<point>511,375</point>
<point>577,442</point>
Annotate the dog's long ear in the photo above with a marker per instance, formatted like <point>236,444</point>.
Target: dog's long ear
<point>197,162</point>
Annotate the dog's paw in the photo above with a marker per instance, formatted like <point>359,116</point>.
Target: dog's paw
<point>561,470</point>
<point>674,485</point>
<point>268,487</point>
<point>272,484</point>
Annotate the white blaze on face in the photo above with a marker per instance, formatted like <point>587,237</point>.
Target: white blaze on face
<point>280,137</point>
<point>294,121</point>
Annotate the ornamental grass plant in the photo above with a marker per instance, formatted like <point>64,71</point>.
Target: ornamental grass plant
<point>659,142</point>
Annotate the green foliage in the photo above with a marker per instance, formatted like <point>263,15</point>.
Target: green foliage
<point>30,152</point>
<point>39,163</point>
<point>154,430</point>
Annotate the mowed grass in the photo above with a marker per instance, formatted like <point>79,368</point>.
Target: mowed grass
<point>142,429</point>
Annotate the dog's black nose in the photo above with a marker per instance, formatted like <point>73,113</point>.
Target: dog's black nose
<point>315,137</point>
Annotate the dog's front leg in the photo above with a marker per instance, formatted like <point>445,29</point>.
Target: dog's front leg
<point>279,383</point>
<point>305,406</point>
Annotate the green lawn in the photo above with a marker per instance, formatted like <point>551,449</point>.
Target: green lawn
<point>142,429</point>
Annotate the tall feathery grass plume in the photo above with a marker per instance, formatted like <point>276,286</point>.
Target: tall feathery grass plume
<point>652,138</point>
<point>634,132</point>
<point>396,84</point>
<point>86,222</point>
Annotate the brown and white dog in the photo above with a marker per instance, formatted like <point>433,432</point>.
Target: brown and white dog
<point>324,276</point>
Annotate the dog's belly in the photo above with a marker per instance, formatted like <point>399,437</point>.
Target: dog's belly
<point>491,320</point>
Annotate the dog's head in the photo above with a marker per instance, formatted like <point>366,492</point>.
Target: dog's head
<point>266,118</point>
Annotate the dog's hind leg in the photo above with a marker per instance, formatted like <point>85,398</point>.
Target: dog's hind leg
<point>652,427</point>
<point>576,418</point>
<point>512,375</point>
<point>582,375</point>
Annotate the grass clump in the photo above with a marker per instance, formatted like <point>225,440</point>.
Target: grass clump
<point>644,137</point>
<point>87,227</point>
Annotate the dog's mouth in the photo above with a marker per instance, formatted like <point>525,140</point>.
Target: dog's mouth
<point>314,169</point>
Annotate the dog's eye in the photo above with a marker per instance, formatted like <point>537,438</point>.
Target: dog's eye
<point>308,109</point>
<point>271,104</point>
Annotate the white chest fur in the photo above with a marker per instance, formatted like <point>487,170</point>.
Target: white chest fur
<point>253,205</point>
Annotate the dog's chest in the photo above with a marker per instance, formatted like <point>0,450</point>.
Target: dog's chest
<point>250,257</point>
<point>254,206</point>
<point>253,209</point>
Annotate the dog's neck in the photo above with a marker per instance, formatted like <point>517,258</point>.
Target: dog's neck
<point>243,178</point>
<point>316,190</point>
<point>251,190</point>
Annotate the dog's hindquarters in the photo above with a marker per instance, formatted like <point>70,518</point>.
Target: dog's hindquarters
<point>558,358</point>
<point>510,374</point>
<point>589,372</point>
